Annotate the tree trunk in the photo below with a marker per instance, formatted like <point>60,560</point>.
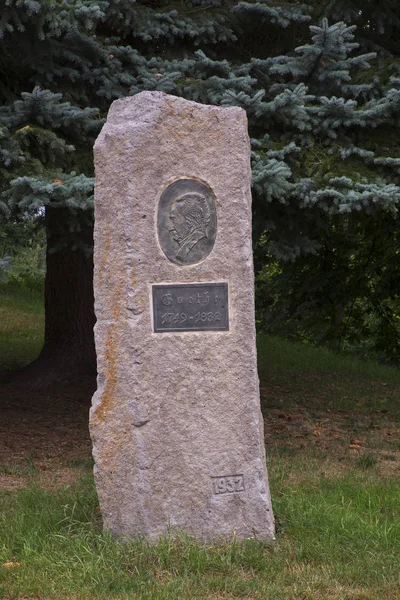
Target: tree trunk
<point>69,310</point>
<point>68,352</point>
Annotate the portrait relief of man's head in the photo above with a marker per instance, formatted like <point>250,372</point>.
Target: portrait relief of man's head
<point>189,216</point>
<point>187,220</point>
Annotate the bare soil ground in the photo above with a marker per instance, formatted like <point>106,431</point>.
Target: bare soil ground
<point>44,434</point>
<point>365,434</point>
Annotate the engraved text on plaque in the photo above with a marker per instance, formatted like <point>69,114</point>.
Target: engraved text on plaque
<point>190,307</point>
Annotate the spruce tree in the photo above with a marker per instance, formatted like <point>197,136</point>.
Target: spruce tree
<point>322,121</point>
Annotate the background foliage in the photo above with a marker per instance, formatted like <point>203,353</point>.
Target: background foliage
<point>320,83</point>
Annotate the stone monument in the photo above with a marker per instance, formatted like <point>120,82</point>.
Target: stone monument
<point>175,422</point>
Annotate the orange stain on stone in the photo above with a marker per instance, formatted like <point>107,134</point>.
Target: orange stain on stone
<point>104,256</point>
<point>133,277</point>
<point>108,397</point>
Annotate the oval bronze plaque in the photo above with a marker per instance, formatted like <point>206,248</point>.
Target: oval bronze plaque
<point>187,221</point>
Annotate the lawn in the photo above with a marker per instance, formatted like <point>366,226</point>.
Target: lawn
<point>332,427</point>
<point>21,325</point>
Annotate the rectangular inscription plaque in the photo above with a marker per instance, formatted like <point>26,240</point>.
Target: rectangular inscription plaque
<point>190,307</point>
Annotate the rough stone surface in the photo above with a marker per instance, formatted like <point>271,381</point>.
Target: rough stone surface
<point>175,423</point>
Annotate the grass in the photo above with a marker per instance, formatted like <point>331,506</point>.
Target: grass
<point>338,537</point>
<point>336,501</point>
<point>305,358</point>
<point>318,376</point>
<point>21,325</point>
<point>26,469</point>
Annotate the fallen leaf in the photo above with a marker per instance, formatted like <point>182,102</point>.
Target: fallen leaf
<point>280,426</point>
<point>354,446</point>
<point>58,181</point>
<point>9,565</point>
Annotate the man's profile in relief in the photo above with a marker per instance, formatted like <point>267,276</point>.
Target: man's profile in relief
<point>190,216</point>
